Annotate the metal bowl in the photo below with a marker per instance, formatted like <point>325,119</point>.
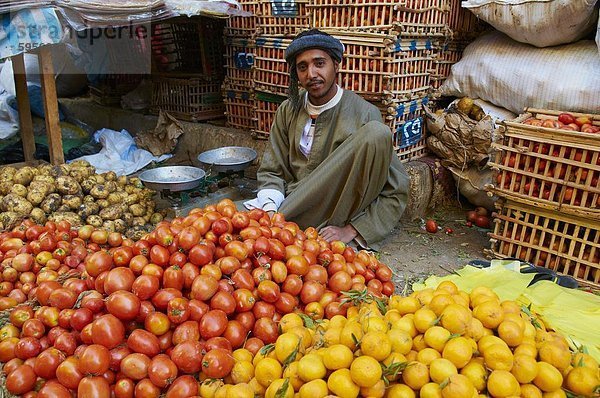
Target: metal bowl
<point>227,159</point>
<point>172,178</point>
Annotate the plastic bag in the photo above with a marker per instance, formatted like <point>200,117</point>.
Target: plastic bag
<point>542,23</point>
<point>514,76</point>
<point>119,153</point>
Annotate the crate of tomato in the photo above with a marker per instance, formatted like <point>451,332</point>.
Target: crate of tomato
<point>551,159</point>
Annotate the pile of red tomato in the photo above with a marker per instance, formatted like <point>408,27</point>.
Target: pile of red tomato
<point>145,318</point>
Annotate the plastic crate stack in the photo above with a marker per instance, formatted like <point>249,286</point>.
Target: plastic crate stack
<point>187,73</point>
<point>391,48</point>
<point>238,87</point>
<point>548,184</point>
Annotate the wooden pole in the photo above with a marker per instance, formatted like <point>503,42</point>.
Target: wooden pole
<point>51,106</point>
<point>25,122</point>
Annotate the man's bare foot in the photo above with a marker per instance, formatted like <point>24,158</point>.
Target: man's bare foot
<point>344,234</point>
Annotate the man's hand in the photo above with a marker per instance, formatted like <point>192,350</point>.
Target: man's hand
<point>344,234</point>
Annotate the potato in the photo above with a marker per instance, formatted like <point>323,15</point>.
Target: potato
<point>130,189</point>
<point>7,173</point>
<point>87,209</point>
<point>112,212</point>
<point>23,176</point>
<point>44,169</point>
<point>19,189</point>
<point>100,179</point>
<point>99,191</point>
<point>89,199</point>
<point>136,182</point>
<point>117,197</point>
<point>16,203</point>
<point>103,203</point>
<point>110,176</point>
<point>137,209</point>
<point>66,185</point>
<point>127,217</point>
<point>109,225</point>
<point>88,184</point>
<point>59,171</point>
<point>81,163</point>
<point>63,208</point>
<point>122,180</point>
<point>150,205</point>
<point>73,201</point>
<point>36,195</point>
<point>136,233</point>
<point>94,220</point>
<point>44,187</point>
<point>51,181</point>
<point>120,225</point>
<point>69,216</point>
<point>80,173</point>
<point>138,221</point>
<point>38,216</point>
<point>131,199</point>
<point>5,187</point>
<point>9,220</point>
<point>51,203</point>
<point>156,218</point>
<point>111,186</point>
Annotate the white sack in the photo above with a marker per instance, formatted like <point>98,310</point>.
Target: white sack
<point>542,23</point>
<point>515,75</point>
<point>598,34</point>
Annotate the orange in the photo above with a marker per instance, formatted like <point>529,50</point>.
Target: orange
<point>511,333</point>
<point>456,318</point>
<point>548,378</point>
<point>458,351</point>
<point>340,383</point>
<point>503,384</point>
<point>416,375</point>
<point>458,386</point>
<point>490,314</point>
<point>524,368</point>
<point>582,381</point>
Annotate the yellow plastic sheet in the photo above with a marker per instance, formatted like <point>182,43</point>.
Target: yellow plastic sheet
<point>573,313</point>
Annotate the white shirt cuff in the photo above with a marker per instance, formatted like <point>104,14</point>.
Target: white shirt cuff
<point>267,200</point>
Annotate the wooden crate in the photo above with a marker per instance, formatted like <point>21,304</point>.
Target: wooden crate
<point>412,18</point>
<point>463,23</point>
<point>564,243</point>
<point>243,26</point>
<point>183,46</point>
<point>374,66</point>
<point>266,105</point>
<point>271,72</point>
<point>406,121</point>
<point>193,99</point>
<point>550,168</point>
<point>108,89</point>
<point>379,67</point>
<point>282,18</point>
<point>448,55</point>
<point>239,63</point>
<point>239,108</point>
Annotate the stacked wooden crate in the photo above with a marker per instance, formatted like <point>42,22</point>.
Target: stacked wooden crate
<point>277,23</point>
<point>187,68</point>
<point>391,48</point>
<point>548,185</point>
<point>238,86</point>
<point>465,28</point>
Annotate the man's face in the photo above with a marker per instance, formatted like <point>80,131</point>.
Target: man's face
<point>317,74</point>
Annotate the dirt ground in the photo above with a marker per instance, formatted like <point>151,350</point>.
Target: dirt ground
<point>413,253</point>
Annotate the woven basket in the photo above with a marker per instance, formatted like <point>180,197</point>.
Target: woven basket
<point>192,99</point>
<point>412,18</point>
<point>564,243</point>
<point>549,168</point>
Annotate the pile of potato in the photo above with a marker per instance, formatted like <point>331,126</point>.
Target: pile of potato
<point>74,192</point>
